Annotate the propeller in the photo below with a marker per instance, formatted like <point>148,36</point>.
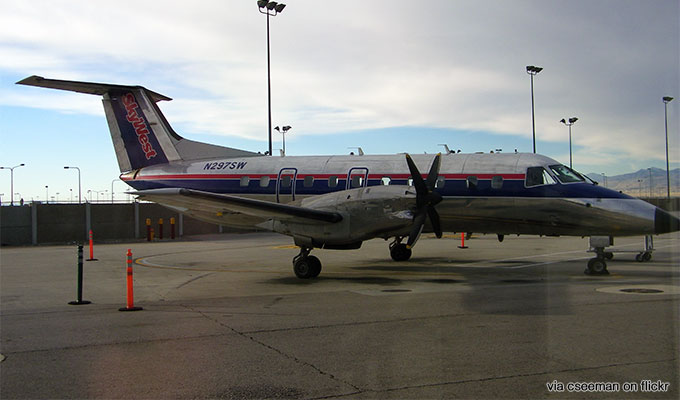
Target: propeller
<point>426,199</point>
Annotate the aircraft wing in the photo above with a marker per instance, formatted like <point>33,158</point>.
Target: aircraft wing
<point>214,202</point>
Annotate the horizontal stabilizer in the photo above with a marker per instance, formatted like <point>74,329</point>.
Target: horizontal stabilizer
<point>86,87</point>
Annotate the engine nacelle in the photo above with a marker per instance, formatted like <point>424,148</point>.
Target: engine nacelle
<point>377,211</point>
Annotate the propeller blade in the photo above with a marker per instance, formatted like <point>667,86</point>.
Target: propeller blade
<point>418,182</point>
<point>434,219</point>
<point>418,225</point>
<point>434,172</point>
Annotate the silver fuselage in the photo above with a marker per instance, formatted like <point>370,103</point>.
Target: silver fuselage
<point>495,200</point>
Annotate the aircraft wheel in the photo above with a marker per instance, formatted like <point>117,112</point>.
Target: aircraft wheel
<point>316,264</point>
<point>307,267</point>
<point>638,257</point>
<point>646,256</point>
<point>400,252</point>
<point>597,266</point>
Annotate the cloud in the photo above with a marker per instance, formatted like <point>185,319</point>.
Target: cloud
<point>366,65</point>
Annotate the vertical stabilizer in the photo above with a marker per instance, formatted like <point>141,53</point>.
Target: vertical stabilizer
<point>140,133</point>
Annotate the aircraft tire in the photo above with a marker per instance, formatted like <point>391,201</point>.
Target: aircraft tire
<point>316,264</point>
<point>400,252</point>
<point>597,266</point>
<point>307,267</point>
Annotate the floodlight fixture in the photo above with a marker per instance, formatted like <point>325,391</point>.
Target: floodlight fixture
<point>79,186</point>
<point>569,124</point>
<point>11,178</point>
<point>533,70</point>
<point>666,100</point>
<point>270,9</point>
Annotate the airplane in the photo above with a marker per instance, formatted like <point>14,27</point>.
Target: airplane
<point>338,202</point>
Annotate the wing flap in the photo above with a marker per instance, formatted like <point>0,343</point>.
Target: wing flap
<point>207,201</point>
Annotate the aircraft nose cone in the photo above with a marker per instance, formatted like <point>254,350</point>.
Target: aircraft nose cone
<point>664,222</point>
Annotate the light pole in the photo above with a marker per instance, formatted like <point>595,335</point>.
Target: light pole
<point>569,124</point>
<point>666,100</point>
<point>11,180</point>
<point>67,167</point>
<point>533,70</point>
<point>639,187</point>
<point>650,182</point>
<point>270,9</point>
<point>283,132</point>
<point>47,194</point>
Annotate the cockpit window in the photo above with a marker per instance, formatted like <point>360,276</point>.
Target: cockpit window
<point>538,176</point>
<point>566,174</point>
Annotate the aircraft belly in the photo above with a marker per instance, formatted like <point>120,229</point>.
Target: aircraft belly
<point>547,216</point>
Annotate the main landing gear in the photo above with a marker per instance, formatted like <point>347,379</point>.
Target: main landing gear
<point>306,266</point>
<point>399,251</point>
<point>598,265</point>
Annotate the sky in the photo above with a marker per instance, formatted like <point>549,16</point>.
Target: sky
<point>389,77</point>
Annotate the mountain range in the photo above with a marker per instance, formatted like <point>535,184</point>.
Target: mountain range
<point>638,183</point>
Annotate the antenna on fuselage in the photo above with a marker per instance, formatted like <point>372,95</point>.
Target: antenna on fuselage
<point>446,147</point>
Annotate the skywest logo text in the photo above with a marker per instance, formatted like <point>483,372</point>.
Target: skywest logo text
<point>134,116</point>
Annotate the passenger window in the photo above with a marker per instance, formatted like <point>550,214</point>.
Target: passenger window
<point>264,181</point>
<point>385,180</point>
<point>332,181</point>
<point>538,176</point>
<point>357,181</point>
<point>245,180</point>
<point>309,181</point>
<point>471,182</point>
<point>497,182</point>
<point>285,181</point>
<point>441,181</point>
<point>409,181</point>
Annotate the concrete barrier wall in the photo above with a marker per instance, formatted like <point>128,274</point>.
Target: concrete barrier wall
<point>38,223</point>
<point>15,225</point>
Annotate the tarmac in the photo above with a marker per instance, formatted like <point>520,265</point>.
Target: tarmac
<point>225,317</point>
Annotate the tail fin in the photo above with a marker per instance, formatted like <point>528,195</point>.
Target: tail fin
<point>140,133</point>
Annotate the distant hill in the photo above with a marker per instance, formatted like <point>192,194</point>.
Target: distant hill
<point>638,183</point>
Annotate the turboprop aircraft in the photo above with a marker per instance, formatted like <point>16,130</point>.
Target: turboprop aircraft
<point>337,202</point>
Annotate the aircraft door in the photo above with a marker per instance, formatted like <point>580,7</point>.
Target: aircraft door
<point>285,185</point>
<point>357,177</point>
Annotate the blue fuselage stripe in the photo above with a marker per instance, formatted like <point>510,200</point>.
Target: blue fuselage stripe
<point>451,188</point>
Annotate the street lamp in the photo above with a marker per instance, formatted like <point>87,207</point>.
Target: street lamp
<point>283,132</point>
<point>270,9</point>
<point>11,180</point>
<point>78,180</point>
<point>533,70</point>
<point>639,187</point>
<point>666,100</point>
<point>47,194</point>
<point>569,124</point>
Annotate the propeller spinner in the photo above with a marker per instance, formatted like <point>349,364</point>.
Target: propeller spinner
<point>426,199</point>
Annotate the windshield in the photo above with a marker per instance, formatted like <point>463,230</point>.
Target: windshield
<point>566,174</point>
